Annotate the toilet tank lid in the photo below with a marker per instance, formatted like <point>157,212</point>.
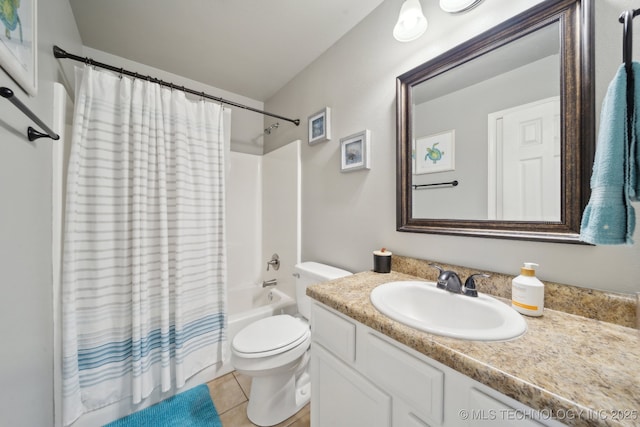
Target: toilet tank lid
<point>320,271</point>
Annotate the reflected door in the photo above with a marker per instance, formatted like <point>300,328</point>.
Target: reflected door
<point>526,152</point>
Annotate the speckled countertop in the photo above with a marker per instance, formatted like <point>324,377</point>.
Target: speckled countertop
<point>588,368</point>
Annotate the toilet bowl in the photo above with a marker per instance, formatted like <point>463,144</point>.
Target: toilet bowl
<point>274,352</point>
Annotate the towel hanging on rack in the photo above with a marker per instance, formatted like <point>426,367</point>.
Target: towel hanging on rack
<point>609,218</point>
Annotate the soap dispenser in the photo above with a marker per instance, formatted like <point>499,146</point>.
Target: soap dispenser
<point>527,292</point>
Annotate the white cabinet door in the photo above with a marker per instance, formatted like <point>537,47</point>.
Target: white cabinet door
<point>342,397</point>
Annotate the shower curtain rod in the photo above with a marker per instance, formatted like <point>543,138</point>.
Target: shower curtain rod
<point>61,53</point>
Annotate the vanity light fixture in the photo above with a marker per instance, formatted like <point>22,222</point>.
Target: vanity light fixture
<point>457,6</point>
<point>411,22</point>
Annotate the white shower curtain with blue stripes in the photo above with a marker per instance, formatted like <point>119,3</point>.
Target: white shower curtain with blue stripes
<point>144,273</point>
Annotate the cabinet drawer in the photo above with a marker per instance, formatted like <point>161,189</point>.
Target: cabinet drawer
<point>485,410</point>
<point>418,384</point>
<point>334,332</point>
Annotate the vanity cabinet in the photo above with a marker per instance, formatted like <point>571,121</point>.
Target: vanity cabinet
<point>360,377</point>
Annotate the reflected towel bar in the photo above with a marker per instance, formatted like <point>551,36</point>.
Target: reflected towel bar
<point>32,134</point>
<point>437,184</point>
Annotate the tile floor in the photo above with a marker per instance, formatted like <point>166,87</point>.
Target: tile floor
<point>230,394</point>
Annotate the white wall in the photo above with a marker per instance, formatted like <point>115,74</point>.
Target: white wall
<point>346,216</point>
<point>26,312</point>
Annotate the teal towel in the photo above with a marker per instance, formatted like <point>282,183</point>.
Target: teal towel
<point>609,218</point>
<point>634,165</point>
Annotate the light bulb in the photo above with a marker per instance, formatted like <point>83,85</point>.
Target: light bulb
<point>411,22</point>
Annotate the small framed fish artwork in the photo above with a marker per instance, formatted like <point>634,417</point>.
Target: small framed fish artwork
<point>18,43</point>
<point>354,151</point>
<point>435,153</point>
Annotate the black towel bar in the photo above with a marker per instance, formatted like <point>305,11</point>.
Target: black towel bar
<point>32,134</point>
<point>437,184</point>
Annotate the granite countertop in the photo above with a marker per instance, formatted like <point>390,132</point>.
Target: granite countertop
<point>564,364</point>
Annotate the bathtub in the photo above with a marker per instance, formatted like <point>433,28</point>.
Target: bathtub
<point>250,303</point>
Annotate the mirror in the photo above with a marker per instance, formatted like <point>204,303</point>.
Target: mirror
<point>495,138</point>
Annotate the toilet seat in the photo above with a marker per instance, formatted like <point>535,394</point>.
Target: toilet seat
<point>270,336</point>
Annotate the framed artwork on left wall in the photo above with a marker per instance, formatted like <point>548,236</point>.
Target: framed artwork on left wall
<point>320,126</point>
<point>19,42</point>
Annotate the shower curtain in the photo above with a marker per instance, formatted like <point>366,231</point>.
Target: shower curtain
<point>143,292</point>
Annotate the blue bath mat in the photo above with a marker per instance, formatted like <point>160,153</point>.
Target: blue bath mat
<point>191,408</point>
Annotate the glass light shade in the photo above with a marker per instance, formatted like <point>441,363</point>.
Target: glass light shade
<point>411,22</point>
<point>456,6</point>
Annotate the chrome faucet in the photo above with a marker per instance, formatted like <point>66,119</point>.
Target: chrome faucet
<point>274,262</point>
<point>450,281</point>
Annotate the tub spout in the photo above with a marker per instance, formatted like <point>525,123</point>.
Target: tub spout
<point>268,283</point>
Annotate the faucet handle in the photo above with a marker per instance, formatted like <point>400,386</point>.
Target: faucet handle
<point>470,284</point>
<point>274,262</point>
<point>440,269</point>
<point>440,283</point>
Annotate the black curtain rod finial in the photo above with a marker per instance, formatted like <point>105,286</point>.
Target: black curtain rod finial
<point>5,92</point>
<point>58,52</point>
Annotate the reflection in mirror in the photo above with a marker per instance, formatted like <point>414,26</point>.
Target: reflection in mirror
<point>495,138</point>
<point>492,124</point>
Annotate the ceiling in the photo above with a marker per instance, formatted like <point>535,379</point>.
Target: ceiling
<point>249,47</point>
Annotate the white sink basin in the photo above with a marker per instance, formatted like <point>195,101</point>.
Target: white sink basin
<point>423,306</point>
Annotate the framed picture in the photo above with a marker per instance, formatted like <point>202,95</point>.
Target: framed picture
<point>435,153</point>
<point>320,126</point>
<point>354,151</point>
<point>18,43</point>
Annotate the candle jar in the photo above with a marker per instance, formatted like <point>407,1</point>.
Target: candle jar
<point>382,261</point>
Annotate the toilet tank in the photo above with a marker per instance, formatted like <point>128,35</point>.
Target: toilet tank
<point>309,273</point>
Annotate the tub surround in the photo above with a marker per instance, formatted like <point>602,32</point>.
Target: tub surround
<point>564,362</point>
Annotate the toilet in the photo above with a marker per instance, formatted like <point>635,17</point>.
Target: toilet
<point>274,352</point>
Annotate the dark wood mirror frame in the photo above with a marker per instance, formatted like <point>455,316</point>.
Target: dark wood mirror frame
<point>578,124</point>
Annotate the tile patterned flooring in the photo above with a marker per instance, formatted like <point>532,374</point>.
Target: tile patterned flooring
<point>230,394</point>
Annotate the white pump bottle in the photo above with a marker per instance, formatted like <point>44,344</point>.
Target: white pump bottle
<point>527,292</point>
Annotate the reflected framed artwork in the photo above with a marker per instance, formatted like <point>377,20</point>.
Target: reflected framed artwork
<point>435,153</point>
<point>354,151</point>
<point>18,43</point>
<point>320,126</point>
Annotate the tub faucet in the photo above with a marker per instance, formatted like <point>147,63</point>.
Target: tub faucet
<point>269,283</point>
<point>450,281</point>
